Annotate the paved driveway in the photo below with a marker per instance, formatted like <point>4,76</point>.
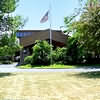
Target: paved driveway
<point>8,65</point>
<point>12,68</point>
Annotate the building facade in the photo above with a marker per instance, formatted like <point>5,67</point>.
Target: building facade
<point>27,39</point>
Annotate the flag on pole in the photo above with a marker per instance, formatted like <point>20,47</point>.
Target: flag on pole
<point>45,17</point>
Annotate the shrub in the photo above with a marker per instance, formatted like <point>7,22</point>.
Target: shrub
<point>59,55</point>
<point>41,53</point>
<point>28,60</point>
<point>5,60</point>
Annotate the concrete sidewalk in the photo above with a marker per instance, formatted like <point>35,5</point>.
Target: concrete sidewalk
<point>8,65</point>
<point>12,68</point>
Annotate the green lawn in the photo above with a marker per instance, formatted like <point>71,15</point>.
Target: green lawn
<point>50,86</point>
<point>55,66</point>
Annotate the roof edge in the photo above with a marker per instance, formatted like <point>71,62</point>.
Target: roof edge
<point>38,30</point>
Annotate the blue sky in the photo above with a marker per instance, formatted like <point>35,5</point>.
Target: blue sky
<point>34,10</point>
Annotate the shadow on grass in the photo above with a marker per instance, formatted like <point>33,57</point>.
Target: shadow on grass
<point>86,66</point>
<point>6,74</point>
<point>95,74</point>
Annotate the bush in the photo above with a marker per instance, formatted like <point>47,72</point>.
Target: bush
<point>5,60</point>
<point>59,55</point>
<point>41,53</point>
<point>75,51</point>
<point>28,60</point>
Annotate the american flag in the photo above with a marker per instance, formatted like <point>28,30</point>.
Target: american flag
<point>45,17</point>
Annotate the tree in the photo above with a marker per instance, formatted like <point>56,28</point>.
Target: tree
<point>9,25</point>
<point>7,21</point>
<point>87,29</point>
<point>8,6</point>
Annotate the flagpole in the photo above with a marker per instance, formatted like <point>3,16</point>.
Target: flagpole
<point>46,17</point>
<point>50,22</point>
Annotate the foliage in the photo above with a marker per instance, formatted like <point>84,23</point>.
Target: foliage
<point>69,20</point>
<point>9,25</point>
<point>75,51</point>
<point>41,53</point>
<point>86,33</point>
<point>4,40</point>
<point>88,29</point>
<point>8,45</point>
<point>28,60</point>
<point>59,55</point>
<point>8,6</point>
<point>90,2</point>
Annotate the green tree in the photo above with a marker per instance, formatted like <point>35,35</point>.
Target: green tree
<point>9,25</point>
<point>8,6</point>
<point>8,22</point>
<point>87,29</point>
<point>8,46</point>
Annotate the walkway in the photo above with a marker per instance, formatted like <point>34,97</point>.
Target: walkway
<point>12,68</point>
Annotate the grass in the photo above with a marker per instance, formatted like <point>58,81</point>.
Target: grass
<point>59,66</point>
<point>55,66</point>
<point>50,86</point>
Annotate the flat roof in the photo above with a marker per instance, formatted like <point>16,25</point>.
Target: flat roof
<point>38,30</point>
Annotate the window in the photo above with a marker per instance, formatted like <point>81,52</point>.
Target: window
<point>23,34</point>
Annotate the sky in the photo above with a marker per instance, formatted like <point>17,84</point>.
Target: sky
<point>34,10</point>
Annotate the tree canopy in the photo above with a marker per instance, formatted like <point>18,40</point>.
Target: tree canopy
<point>87,28</point>
<point>9,24</point>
